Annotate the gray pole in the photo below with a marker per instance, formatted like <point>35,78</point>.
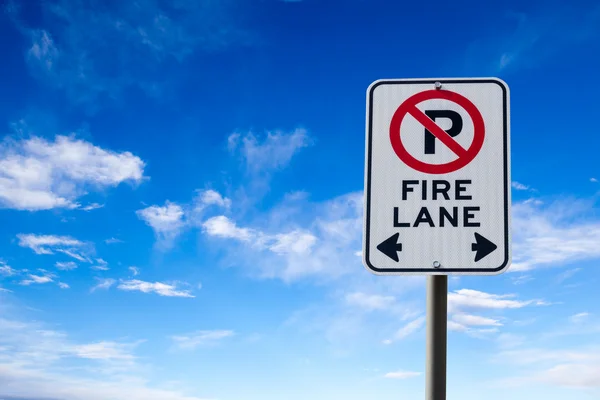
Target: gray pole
<point>437,325</point>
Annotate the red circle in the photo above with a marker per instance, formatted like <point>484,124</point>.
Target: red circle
<point>409,104</point>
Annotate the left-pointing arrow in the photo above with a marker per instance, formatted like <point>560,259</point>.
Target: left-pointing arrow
<point>390,247</point>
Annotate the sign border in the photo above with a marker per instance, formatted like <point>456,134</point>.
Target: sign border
<point>368,168</point>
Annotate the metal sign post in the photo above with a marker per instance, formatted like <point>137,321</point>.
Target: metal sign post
<point>437,329</point>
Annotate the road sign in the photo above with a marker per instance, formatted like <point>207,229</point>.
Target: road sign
<point>437,177</point>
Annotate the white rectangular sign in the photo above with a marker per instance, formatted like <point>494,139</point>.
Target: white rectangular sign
<point>437,177</point>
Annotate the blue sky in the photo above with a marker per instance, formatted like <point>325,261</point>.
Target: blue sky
<point>181,191</point>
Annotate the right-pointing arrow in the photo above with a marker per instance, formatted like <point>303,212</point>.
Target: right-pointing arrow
<point>390,247</point>
<point>482,246</point>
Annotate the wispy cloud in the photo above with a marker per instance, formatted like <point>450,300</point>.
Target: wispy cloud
<point>554,234</point>
<point>519,186</point>
<point>92,206</point>
<point>298,243</point>
<point>37,279</point>
<point>113,240</point>
<point>49,244</point>
<point>166,221</point>
<point>593,180</point>
<point>563,276</point>
<point>37,174</point>
<point>171,219</point>
<point>162,289</point>
<point>147,40</point>
<point>193,340</point>
<point>103,284</point>
<point>573,368</point>
<point>576,318</point>
<point>531,38</point>
<point>401,374</point>
<point>522,279</point>
<point>66,266</point>
<point>37,362</point>
<point>6,270</point>
<point>261,157</point>
<point>465,299</point>
<point>370,302</point>
<point>475,320</point>
<point>134,270</point>
<point>63,285</point>
<point>223,227</point>
<point>473,325</point>
<point>406,330</point>
<point>272,153</point>
<point>205,198</point>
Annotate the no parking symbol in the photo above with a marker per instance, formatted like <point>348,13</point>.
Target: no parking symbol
<point>433,131</point>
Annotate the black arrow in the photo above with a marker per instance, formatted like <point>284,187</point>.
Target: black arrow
<point>482,246</point>
<point>390,247</point>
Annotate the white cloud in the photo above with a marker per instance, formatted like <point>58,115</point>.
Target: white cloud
<point>135,271</point>
<point>594,180</point>
<point>37,279</point>
<point>579,317</point>
<point>292,242</point>
<point>142,40</point>
<point>74,254</point>
<point>530,356</point>
<point>474,320</point>
<point>554,235</point>
<point>113,240</point>
<point>401,374</point>
<point>468,298</point>
<point>209,197</point>
<point>470,330</point>
<point>297,239</point>
<point>522,279</point>
<point>537,37</point>
<point>103,284</point>
<point>100,267</point>
<point>43,244</point>
<point>509,340</point>
<point>48,244</point>
<point>36,362</point>
<point>43,50</point>
<point>66,266</point>
<point>519,186</point>
<point>92,206</point>
<point>103,351</point>
<point>167,221</point>
<point>406,330</point>
<point>273,153</point>
<point>574,368</point>
<point>455,326</point>
<point>572,375</point>
<point>567,274</point>
<point>223,227</point>
<point>370,302</point>
<point>162,289</point>
<point>170,220</point>
<point>201,338</point>
<point>63,285</point>
<point>36,174</point>
<point>6,269</point>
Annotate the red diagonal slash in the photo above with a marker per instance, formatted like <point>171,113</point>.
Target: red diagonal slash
<point>438,132</point>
